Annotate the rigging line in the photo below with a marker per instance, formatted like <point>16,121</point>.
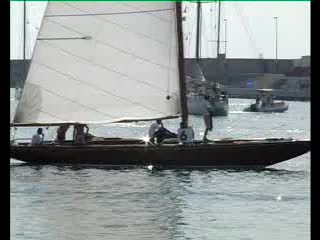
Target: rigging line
<point>154,15</point>
<point>201,33</point>
<point>99,89</point>
<point>204,34</point>
<point>126,28</point>
<point>110,14</point>
<point>170,42</point>
<point>211,32</point>
<point>239,12</point>
<point>191,33</point>
<point>103,43</point>
<point>244,20</point>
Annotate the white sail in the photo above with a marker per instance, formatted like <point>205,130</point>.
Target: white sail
<point>196,72</point>
<point>100,62</point>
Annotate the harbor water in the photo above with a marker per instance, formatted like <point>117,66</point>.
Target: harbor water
<point>80,203</point>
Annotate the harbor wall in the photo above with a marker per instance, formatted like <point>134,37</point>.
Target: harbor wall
<point>278,94</point>
<point>289,77</point>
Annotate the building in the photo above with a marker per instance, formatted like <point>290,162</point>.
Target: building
<point>235,73</point>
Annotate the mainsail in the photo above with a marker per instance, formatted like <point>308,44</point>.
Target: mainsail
<point>195,72</point>
<point>100,62</point>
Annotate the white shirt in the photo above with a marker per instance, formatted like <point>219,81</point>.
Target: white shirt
<point>36,139</point>
<point>153,128</point>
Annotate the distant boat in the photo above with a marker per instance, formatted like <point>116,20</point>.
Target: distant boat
<point>107,62</point>
<point>266,103</point>
<point>205,96</point>
<point>213,99</point>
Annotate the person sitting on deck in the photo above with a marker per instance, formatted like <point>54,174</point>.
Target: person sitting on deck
<point>157,131</point>
<point>154,127</point>
<point>38,137</point>
<point>61,133</point>
<point>79,135</point>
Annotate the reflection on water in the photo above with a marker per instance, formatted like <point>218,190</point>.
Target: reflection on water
<point>91,203</point>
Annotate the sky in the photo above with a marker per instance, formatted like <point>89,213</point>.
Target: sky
<point>251,28</point>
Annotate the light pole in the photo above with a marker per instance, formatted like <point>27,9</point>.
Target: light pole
<point>276,23</point>
<point>225,36</point>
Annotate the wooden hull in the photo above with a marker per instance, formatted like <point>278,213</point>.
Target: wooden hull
<point>240,153</point>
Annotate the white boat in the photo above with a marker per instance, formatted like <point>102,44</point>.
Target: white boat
<point>265,103</point>
<point>201,104</point>
<point>204,96</point>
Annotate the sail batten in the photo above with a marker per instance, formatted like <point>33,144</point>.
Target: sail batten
<point>83,36</point>
<point>103,68</point>
<point>112,70</point>
<point>109,13</point>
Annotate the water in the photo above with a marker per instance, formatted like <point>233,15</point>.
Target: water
<point>51,202</point>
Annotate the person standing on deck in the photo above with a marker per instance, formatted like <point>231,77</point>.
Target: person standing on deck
<point>38,137</point>
<point>208,122</point>
<point>79,134</point>
<point>61,133</point>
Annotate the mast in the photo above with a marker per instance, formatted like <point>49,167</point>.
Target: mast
<point>24,31</point>
<point>218,40</point>
<point>18,89</point>
<point>225,37</point>
<point>198,30</point>
<point>182,79</point>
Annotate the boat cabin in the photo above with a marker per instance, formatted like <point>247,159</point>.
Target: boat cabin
<point>265,97</point>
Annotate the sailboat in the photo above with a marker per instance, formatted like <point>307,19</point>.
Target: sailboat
<point>107,62</point>
<point>206,95</point>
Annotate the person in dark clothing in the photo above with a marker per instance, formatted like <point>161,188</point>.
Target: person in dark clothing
<point>208,123</point>
<point>79,134</point>
<point>161,134</point>
<point>61,133</point>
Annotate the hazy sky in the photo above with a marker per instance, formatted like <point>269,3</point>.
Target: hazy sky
<point>250,28</point>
